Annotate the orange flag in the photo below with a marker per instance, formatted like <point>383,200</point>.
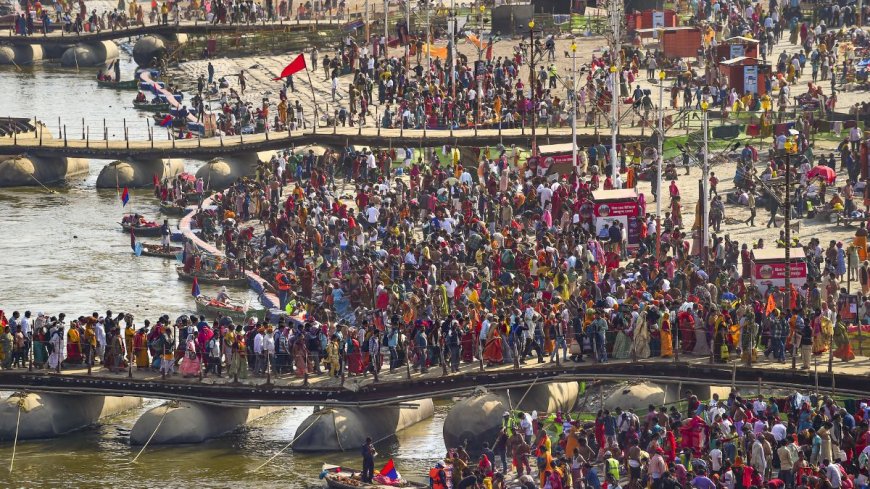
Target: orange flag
<point>771,305</point>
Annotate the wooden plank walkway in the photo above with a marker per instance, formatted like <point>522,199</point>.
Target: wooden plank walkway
<point>57,36</point>
<point>403,386</point>
<point>205,148</point>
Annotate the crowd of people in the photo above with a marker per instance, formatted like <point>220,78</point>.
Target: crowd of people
<point>799,441</point>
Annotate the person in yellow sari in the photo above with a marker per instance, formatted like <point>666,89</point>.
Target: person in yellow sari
<point>667,337</point>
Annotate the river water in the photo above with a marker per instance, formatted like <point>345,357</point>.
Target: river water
<point>64,252</point>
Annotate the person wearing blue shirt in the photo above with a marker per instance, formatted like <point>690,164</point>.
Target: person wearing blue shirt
<point>592,480</point>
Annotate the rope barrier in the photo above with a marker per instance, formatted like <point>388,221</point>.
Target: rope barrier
<point>20,403</point>
<point>273,457</point>
<point>165,412</point>
<point>41,185</point>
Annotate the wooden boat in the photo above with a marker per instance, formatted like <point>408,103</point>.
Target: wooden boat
<point>158,107</point>
<point>122,85</point>
<point>142,231</point>
<point>191,198</point>
<point>338,477</point>
<point>211,308</point>
<point>172,209</point>
<point>212,279</point>
<point>156,250</point>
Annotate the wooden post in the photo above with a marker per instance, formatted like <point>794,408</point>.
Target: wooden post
<point>106,131</point>
<point>127,140</point>
<point>83,127</point>
<point>88,137</point>
<point>64,135</point>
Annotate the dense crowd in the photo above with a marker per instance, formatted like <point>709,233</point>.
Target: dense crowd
<point>799,441</point>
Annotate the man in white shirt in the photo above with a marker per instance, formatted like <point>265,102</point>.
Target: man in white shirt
<point>258,352</point>
<point>778,431</point>
<point>372,215</point>
<point>545,194</point>
<point>758,406</point>
<point>451,288</point>
<point>716,460</point>
<point>835,477</point>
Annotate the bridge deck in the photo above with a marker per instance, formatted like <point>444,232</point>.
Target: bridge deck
<point>57,36</point>
<point>849,378</point>
<point>341,136</point>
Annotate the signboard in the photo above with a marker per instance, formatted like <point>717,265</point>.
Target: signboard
<point>625,211</point>
<point>776,271</point>
<point>737,51</point>
<point>750,79</point>
<point>658,21</point>
<point>608,209</point>
<point>773,273</point>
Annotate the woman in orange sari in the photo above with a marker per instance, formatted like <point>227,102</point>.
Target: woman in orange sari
<point>492,351</point>
<point>140,349</point>
<point>667,339</point>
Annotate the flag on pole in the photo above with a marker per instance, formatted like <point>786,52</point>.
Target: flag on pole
<point>195,289</point>
<point>295,66</point>
<point>390,471</point>
<point>125,196</point>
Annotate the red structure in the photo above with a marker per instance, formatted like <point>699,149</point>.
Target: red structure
<point>680,42</point>
<point>745,74</point>
<point>735,47</point>
<point>651,18</point>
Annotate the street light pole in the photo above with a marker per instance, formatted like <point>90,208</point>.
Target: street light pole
<point>614,117</point>
<point>574,107</point>
<point>614,10</point>
<point>659,169</point>
<point>705,181</point>
<point>386,28</point>
<point>428,44</point>
<point>532,82</point>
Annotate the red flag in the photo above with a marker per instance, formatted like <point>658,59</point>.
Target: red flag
<point>155,180</point>
<point>295,66</point>
<point>489,51</point>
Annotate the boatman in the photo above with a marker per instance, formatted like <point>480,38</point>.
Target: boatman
<point>283,288</point>
<point>437,477</point>
<point>165,235</point>
<point>368,456</point>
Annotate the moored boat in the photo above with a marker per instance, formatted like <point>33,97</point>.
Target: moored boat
<point>211,308</point>
<point>172,209</point>
<point>151,231</point>
<point>337,477</point>
<point>212,278</point>
<point>149,249</point>
<point>158,107</point>
<point>119,85</point>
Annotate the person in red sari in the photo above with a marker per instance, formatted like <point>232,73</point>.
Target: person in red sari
<point>493,353</point>
<point>691,433</point>
<point>686,323</point>
<point>354,356</point>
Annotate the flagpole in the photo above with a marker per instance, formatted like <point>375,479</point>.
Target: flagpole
<point>314,98</point>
